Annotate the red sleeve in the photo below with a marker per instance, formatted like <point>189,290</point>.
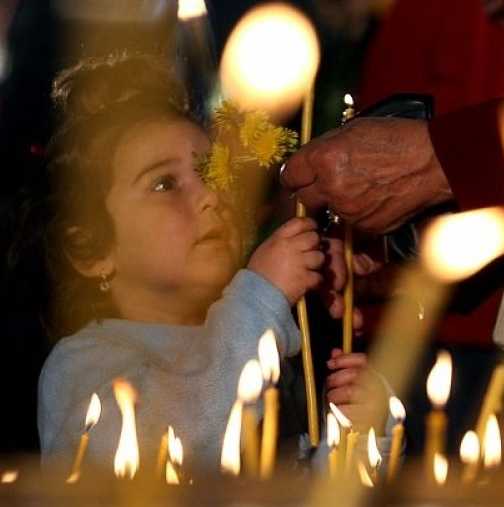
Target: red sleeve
<point>469,146</point>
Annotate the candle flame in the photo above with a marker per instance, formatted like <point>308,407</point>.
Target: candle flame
<point>364,475</point>
<point>333,431</point>
<point>271,58</point>
<point>492,443</point>
<point>175,448</point>
<point>348,100</point>
<point>230,456</point>
<point>250,383</point>
<point>9,476</point>
<point>439,380</point>
<point>189,9</point>
<point>269,358</point>
<point>397,409</point>
<point>340,416</point>
<point>126,459</point>
<point>374,455</point>
<point>171,474</point>
<point>470,448</point>
<point>93,413</point>
<point>457,246</point>
<point>440,468</point>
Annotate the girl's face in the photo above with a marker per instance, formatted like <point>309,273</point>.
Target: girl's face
<point>175,246</point>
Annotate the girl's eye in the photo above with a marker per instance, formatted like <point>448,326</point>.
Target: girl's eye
<point>164,184</point>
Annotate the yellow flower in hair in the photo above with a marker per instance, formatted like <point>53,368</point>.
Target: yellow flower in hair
<point>227,116</point>
<point>218,173</point>
<point>254,123</point>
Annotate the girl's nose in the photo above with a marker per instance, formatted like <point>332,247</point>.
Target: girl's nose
<point>206,198</point>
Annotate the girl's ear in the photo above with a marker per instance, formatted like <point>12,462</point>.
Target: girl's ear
<point>79,252</point>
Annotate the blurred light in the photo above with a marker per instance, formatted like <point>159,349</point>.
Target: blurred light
<point>348,100</point>
<point>364,475</point>
<point>492,443</point>
<point>333,431</point>
<point>439,380</point>
<point>440,468</point>
<point>470,448</point>
<point>269,358</point>
<point>270,60</point>
<point>340,416</point>
<point>189,9</point>
<point>374,455</point>
<point>457,246</point>
<point>9,476</point>
<point>94,412</point>
<point>230,455</point>
<point>250,382</point>
<point>397,409</point>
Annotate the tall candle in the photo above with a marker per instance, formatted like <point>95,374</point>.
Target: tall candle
<point>399,414</point>
<point>333,441</point>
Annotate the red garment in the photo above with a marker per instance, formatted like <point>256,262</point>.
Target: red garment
<point>449,49</point>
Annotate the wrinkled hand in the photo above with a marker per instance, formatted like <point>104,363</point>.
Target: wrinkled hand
<point>335,278</point>
<point>290,258</point>
<point>345,388</point>
<point>374,172</point>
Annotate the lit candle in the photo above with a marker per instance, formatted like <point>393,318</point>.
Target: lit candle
<point>230,454</point>
<point>492,451</point>
<point>399,414</point>
<point>162,455</point>
<point>270,62</point>
<point>176,458</point>
<point>374,455</point>
<point>270,365</point>
<point>352,439</point>
<point>333,440</point>
<point>249,390</point>
<point>127,458</point>
<point>440,467</point>
<point>438,390</point>
<point>492,402</point>
<point>92,417</point>
<point>364,476</point>
<point>346,428</point>
<point>191,9</point>
<point>348,252</point>
<point>470,456</point>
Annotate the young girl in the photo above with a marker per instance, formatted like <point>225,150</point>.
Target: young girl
<point>145,260</point>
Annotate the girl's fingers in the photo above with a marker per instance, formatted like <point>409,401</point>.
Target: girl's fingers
<point>352,360</point>
<point>341,378</point>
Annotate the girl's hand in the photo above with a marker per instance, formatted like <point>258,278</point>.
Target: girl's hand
<point>290,258</point>
<point>346,390</point>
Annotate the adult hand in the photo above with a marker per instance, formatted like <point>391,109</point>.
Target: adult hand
<point>374,172</point>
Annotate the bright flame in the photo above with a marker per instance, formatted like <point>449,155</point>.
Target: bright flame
<point>230,456</point>
<point>171,474</point>
<point>440,468</point>
<point>9,476</point>
<point>364,475</point>
<point>94,412</point>
<point>397,409</point>
<point>175,448</point>
<point>126,459</point>
<point>492,443</point>
<point>269,358</point>
<point>439,380</point>
<point>189,9</point>
<point>374,455</point>
<point>271,58</point>
<point>333,431</point>
<point>348,100</point>
<point>250,383</point>
<point>340,416</point>
<point>457,246</point>
<point>470,448</point>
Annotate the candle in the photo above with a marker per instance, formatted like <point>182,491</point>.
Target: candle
<point>126,460</point>
<point>191,9</point>
<point>162,455</point>
<point>492,452</point>
<point>365,478</point>
<point>352,439</point>
<point>492,402</point>
<point>270,365</point>
<point>230,454</point>
<point>438,390</point>
<point>345,429</point>
<point>348,252</point>
<point>92,417</point>
<point>374,455</point>
<point>470,455</point>
<point>176,458</point>
<point>249,390</point>
<point>440,467</point>
<point>399,414</point>
<point>333,440</point>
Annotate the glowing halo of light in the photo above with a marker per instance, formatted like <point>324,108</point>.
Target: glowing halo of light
<point>270,59</point>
